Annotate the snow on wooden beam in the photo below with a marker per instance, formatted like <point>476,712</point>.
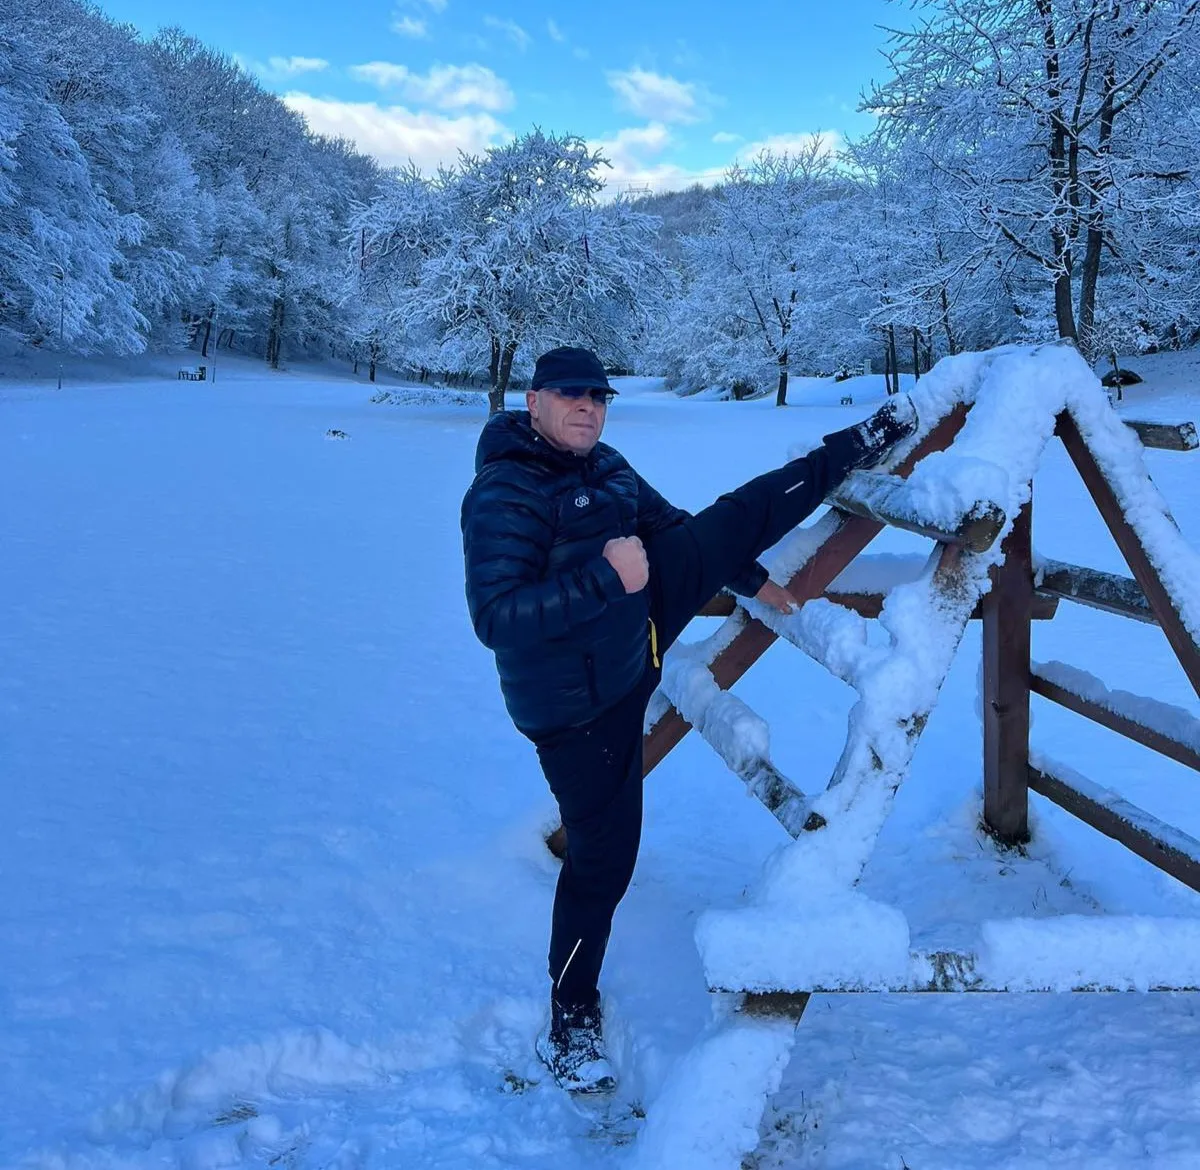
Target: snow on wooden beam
<point>952,971</point>
<point>739,736</point>
<point>887,499</point>
<point>870,605</point>
<point>1107,591</point>
<point>1055,953</point>
<point>1165,436</point>
<point>1165,847</point>
<point>1165,728</point>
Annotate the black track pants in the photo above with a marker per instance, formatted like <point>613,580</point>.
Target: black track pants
<point>595,771</point>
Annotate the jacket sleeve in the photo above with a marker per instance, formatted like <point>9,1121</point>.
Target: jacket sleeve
<point>507,533</point>
<point>655,514</point>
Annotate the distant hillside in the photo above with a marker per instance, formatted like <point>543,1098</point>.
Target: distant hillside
<point>682,213</point>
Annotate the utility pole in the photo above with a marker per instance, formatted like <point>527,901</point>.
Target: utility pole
<point>61,276</point>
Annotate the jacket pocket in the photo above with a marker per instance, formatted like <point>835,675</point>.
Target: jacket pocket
<point>589,666</point>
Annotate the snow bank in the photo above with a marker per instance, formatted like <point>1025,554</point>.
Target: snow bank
<point>431,396</point>
<point>708,1113</point>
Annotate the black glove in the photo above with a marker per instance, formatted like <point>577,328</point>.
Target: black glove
<point>871,441</point>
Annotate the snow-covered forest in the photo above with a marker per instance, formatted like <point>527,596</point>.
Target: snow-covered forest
<point>1030,175</point>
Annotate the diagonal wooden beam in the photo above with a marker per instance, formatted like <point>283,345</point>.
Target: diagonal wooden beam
<point>1131,548</point>
<point>844,538</point>
<point>1167,848</point>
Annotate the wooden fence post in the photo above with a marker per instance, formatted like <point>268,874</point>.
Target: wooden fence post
<point>1007,611</point>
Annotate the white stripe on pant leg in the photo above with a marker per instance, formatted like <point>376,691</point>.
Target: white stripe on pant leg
<point>794,486</point>
<point>558,981</point>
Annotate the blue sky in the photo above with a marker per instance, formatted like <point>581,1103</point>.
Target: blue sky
<point>671,90</point>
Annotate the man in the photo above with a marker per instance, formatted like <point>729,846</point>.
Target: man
<point>579,577</point>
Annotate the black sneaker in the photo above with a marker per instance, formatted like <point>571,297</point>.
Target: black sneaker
<point>572,1048</point>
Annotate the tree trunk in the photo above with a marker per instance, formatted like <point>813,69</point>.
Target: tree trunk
<point>495,393</point>
<point>951,344</point>
<point>893,360</point>
<point>1064,313</point>
<point>781,390</point>
<point>1060,231</point>
<point>275,336</point>
<point>1090,277</point>
<point>916,353</point>
<point>207,332</point>
<point>496,396</point>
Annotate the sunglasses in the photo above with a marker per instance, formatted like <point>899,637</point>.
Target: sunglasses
<point>598,395</point>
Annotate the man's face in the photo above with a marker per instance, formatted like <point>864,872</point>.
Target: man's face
<point>570,424</point>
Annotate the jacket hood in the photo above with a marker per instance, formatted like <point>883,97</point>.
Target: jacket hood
<point>510,435</point>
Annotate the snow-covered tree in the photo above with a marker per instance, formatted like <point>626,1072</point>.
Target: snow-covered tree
<point>508,252</point>
<point>1054,108</point>
<point>756,270</point>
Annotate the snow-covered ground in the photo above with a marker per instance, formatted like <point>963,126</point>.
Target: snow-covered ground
<point>272,885</point>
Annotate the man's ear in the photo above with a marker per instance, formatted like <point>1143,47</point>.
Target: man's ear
<point>531,402</point>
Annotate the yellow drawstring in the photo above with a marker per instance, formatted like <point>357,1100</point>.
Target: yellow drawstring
<point>654,645</point>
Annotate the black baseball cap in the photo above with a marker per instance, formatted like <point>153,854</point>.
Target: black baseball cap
<point>569,366</point>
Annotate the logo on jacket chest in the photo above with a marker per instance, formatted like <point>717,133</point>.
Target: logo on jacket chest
<point>582,500</point>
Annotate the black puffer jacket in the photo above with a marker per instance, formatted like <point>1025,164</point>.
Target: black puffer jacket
<point>569,641</point>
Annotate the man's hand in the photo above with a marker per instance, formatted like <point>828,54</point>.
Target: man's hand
<point>627,555</point>
<point>776,597</point>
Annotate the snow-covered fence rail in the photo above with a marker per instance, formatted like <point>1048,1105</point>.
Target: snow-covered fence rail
<point>1167,729</point>
<point>1092,587</point>
<point>1164,591</point>
<point>837,538</point>
<point>889,500</point>
<point>1166,436</point>
<point>868,603</point>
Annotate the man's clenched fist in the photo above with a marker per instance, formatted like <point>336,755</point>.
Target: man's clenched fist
<point>628,557</point>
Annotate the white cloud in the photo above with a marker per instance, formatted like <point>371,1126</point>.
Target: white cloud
<point>290,66</point>
<point>417,27</point>
<point>394,134</point>
<point>449,87</point>
<point>634,153</point>
<point>281,68</point>
<point>410,26</point>
<point>556,33</point>
<point>721,137</point>
<point>510,29</point>
<point>656,96</point>
<point>831,142</point>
